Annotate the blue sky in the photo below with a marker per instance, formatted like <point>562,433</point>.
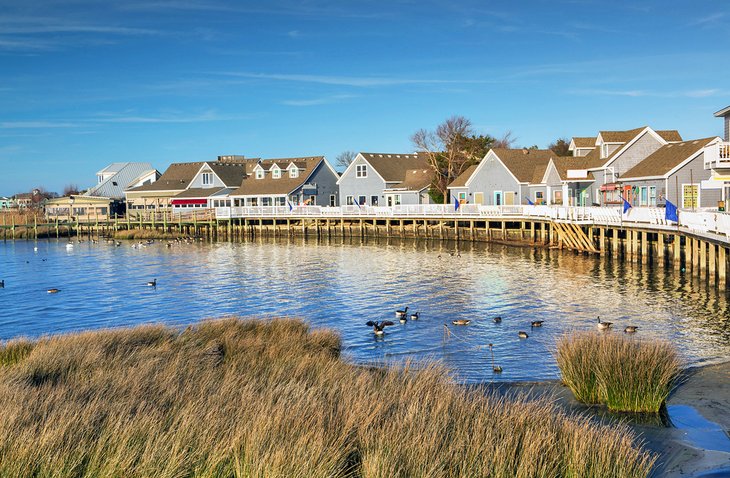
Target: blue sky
<point>87,82</point>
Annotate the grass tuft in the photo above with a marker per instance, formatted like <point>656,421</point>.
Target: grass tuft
<point>15,351</point>
<point>622,372</point>
<point>248,398</point>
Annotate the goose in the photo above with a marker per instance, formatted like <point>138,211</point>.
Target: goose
<point>152,283</point>
<point>522,334</point>
<point>54,291</point>
<point>461,322</point>
<point>604,325</point>
<point>2,284</point>
<point>495,368</point>
<point>379,326</point>
<point>497,320</point>
<point>401,313</point>
<point>536,323</point>
<point>117,244</point>
<point>630,329</point>
<point>403,319</point>
<point>414,316</point>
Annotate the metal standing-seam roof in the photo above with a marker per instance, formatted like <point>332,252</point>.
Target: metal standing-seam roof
<point>124,175</point>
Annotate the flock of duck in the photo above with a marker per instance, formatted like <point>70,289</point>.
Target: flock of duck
<point>402,316</point>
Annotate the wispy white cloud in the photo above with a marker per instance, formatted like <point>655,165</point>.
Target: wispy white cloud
<point>700,93</point>
<point>294,34</point>
<point>355,81</point>
<point>204,117</point>
<point>279,7</point>
<point>318,101</point>
<point>709,20</point>
<point>42,124</point>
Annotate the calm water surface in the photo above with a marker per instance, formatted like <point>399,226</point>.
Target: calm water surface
<point>342,285</point>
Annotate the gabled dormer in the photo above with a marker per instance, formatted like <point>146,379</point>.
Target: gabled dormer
<point>293,170</point>
<point>259,172</point>
<point>275,171</point>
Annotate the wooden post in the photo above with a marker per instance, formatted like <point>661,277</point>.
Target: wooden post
<point>677,250</point>
<point>614,242</point>
<point>712,262</point>
<point>721,267</point>
<point>703,258</point>
<point>644,239</point>
<point>660,247</point>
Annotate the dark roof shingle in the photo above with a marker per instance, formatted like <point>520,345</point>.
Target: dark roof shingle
<point>666,158</point>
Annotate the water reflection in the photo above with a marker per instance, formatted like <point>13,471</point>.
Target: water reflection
<point>344,283</point>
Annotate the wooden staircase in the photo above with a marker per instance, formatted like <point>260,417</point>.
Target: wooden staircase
<point>572,236</point>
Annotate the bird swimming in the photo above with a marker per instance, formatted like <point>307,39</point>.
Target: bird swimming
<point>401,313</point>
<point>522,334</point>
<point>495,368</point>
<point>2,284</point>
<point>461,322</point>
<point>54,291</point>
<point>152,283</point>
<point>414,316</point>
<point>536,323</point>
<point>603,325</point>
<point>630,329</point>
<point>497,320</point>
<point>379,326</point>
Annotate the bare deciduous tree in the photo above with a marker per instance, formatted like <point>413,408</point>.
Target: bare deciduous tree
<point>344,159</point>
<point>506,141</point>
<point>70,189</point>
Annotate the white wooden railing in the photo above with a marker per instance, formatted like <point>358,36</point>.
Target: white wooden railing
<point>699,221</point>
<point>717,156</point>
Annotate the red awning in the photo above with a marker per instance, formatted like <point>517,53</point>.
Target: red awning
<point>188,202</point>
<point>609,187</point>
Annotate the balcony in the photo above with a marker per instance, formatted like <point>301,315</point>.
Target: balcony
<point>717,157</point>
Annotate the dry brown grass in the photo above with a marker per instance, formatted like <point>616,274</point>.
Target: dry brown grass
<point>233,398</point>
<point>146,234</point>
<point>625,373</point>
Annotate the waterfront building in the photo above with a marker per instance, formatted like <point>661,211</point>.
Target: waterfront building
<point>81,208</point>
<point>6,203</point>
<point>211,185</point>
<point>179,177</point>
<point>32,200</point>
<point>717,160</point>
<point>674,172</point>
<point>507,177</point>
<point>386,179</point>
<point>274,182</point>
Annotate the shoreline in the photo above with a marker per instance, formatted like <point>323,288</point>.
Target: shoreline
<point>704,389</point>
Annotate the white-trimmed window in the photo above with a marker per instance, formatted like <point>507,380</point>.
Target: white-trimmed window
<point>396,199</point>
<point>276,173</point>
<point>361,171</point>
<point>539,197</point>
<point>349,200</point>
<point>362,200</point>
<point>294,172</point>
<point>333,200</point>
<point>259,173</point>
<point>207,179</point>
<point>652,196</point>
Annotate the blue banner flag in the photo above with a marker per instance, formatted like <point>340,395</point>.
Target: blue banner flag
<point>671,212</point>
<point>627,205</point>
<point>456,204</point>
<point>356,203</point>
<point>529,202</point>
<point>290,206</point>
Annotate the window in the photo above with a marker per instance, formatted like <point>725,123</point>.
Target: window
<point>462,198</point>
<point>349,200</point>
<point>557,197</point>
<point>373,200</point>
<point>604,151</point>
<point>644,201</point>
<point>690,196</point>
<point>294,172</point>
<point>539,197</point>
<point>497,198</point>
<point>397,199</point>
<point>361,171</point>
<point>276,173</point>
<point>207,179</point>
<point>362,200</point>
<point>333,200</point>
<point>266,201</point>
<point>259,174</point>
<point>279,201</point>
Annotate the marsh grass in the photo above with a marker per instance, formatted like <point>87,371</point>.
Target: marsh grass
<point>146,234</point>
<point>625,373</point>
<point>14,351</point>
<point>235,398</point>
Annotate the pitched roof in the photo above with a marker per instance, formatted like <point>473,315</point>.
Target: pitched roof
<point>198,192</point>
<point>461,179</point>
<point>723,112</point>
<point>669,135</point>
<point>620,136</point>
<point>230,173</point>
<point>415,180</point>
<point>250,186</point>
<point>563,164</point>
<point>523,163</point>
<point>666,158</point>
<point>124,175</point>
<point>584,142</point>
<point>393,166</point>
<point>176,178</point>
